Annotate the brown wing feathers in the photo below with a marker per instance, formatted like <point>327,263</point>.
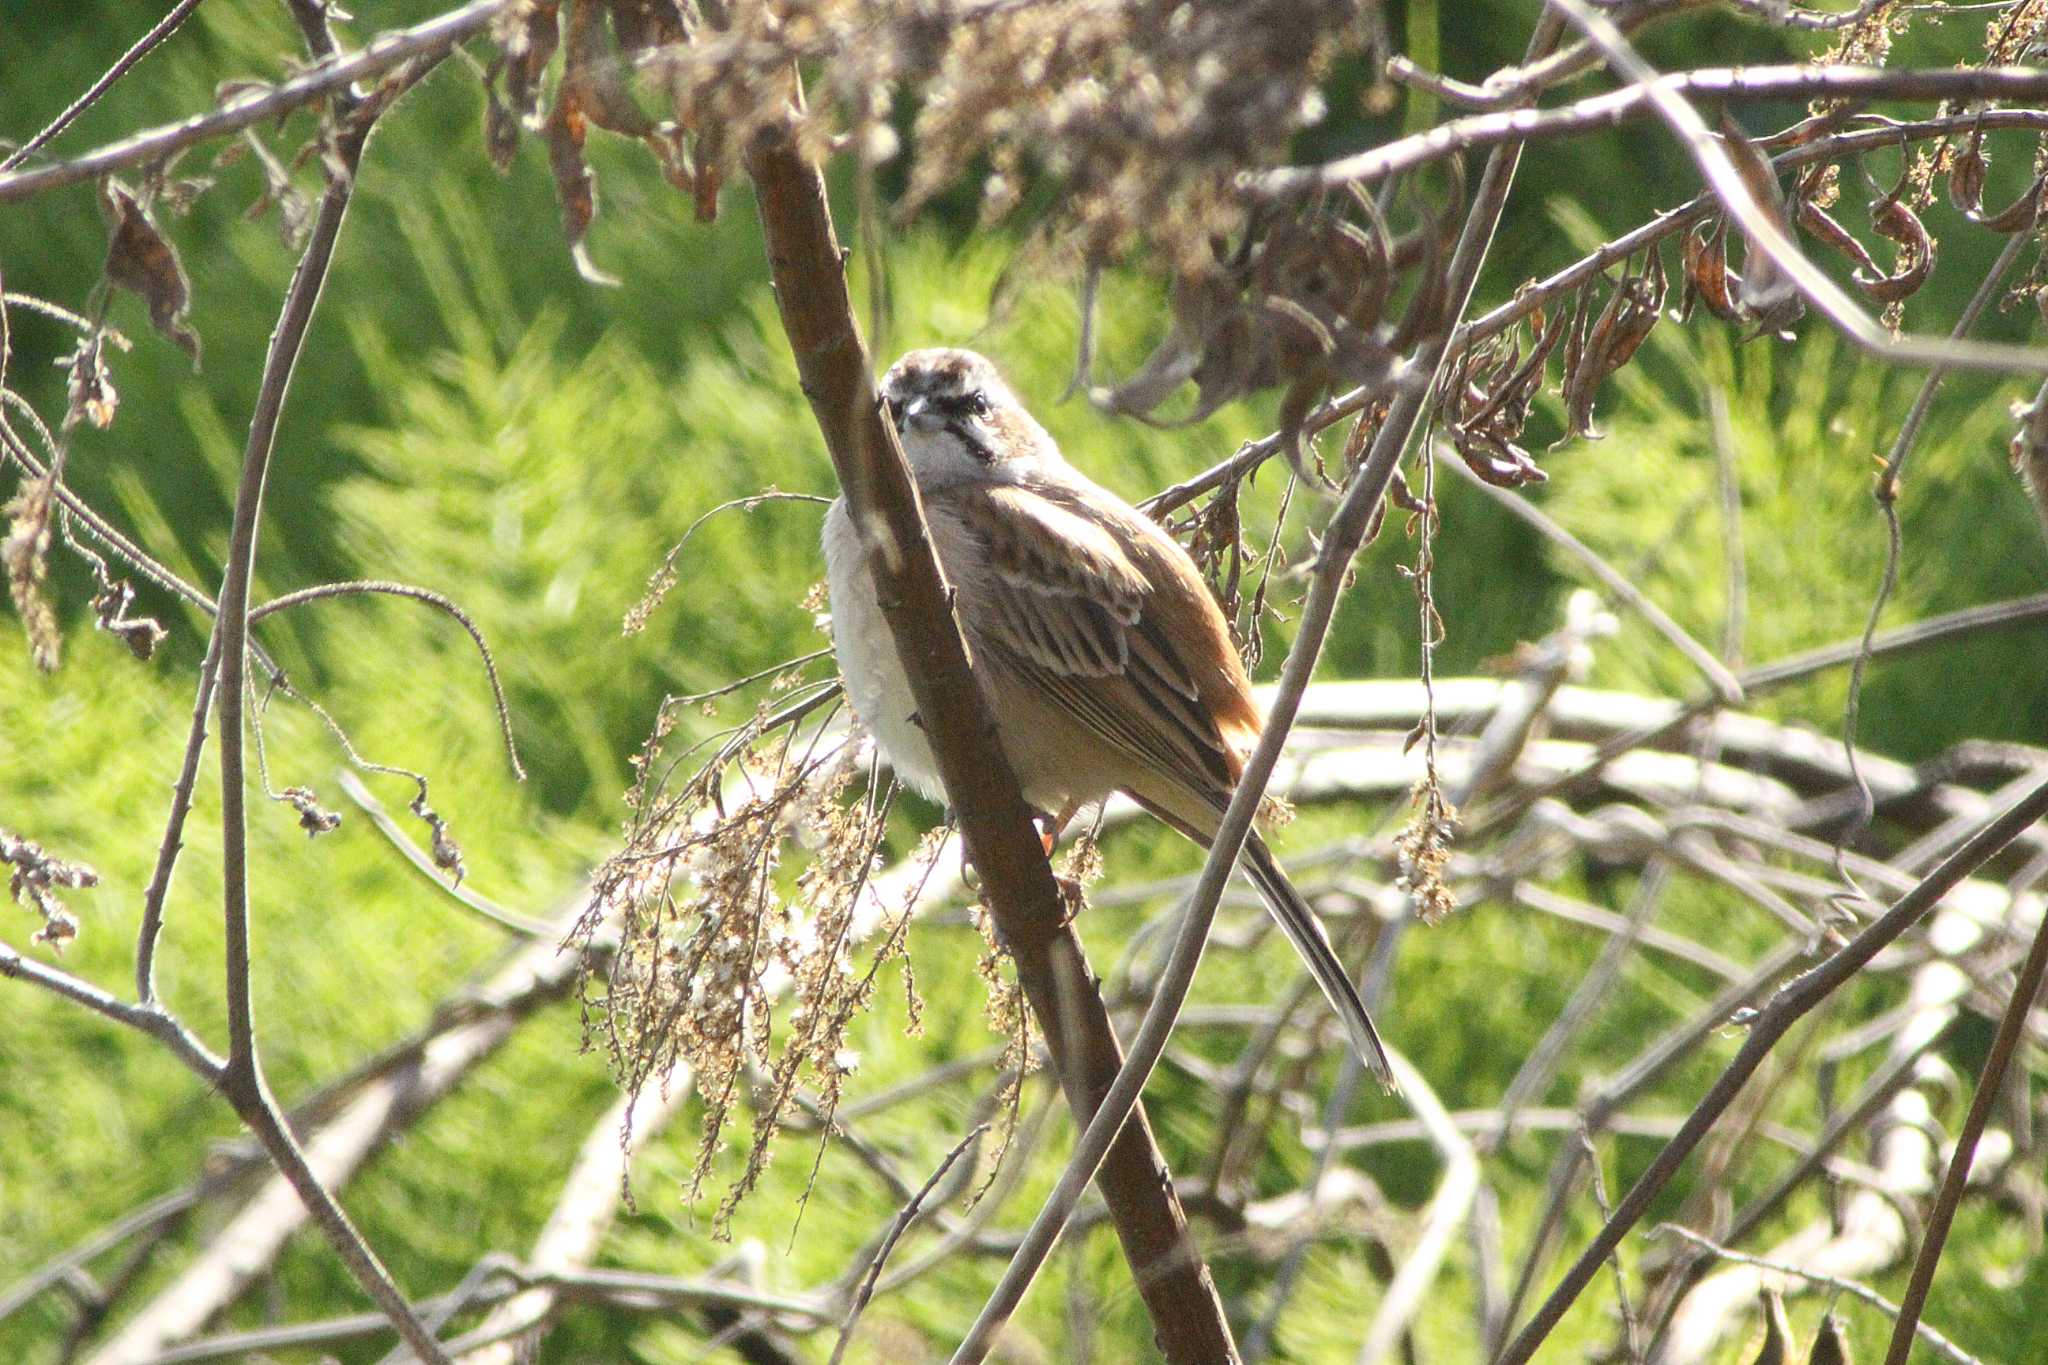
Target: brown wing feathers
<point>1090,623</point>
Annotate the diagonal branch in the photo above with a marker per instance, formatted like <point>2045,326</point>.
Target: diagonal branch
<point>430,39</point>
<point>1726,179</point>
<point>817,313</point>
<point>1798,997</point>
<point>1342,539</point>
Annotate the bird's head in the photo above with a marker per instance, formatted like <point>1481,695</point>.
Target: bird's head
<point>959,421</point>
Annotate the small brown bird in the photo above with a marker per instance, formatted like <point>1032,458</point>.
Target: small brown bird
<point>1106,663</point>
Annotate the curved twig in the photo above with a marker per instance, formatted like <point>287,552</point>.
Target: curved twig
<point>368,586</point>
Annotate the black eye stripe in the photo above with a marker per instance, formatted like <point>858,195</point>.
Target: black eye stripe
<point>976,447</point>
<point>972,404</point>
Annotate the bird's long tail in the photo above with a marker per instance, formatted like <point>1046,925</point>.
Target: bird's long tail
<point>1305,931</point>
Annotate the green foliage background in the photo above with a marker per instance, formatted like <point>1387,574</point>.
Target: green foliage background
<point>473,418</point>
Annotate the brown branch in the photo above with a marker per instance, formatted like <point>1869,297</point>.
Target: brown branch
<point>426,1069</point>
<point>1790,1004</point>
<point>817,312</point>
<point>243,1083</point>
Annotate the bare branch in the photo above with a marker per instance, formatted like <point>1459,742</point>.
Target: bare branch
<point>1650,93</point>
<point>434,37</point>
<point>1797,998</point>
<point>143,46</point>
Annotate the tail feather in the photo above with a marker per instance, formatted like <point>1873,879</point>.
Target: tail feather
<point>1305,931</point>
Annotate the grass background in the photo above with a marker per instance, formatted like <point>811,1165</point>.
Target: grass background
<point>473,418</point>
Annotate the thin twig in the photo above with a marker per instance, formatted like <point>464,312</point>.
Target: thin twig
<point>143,46</point>
<point>1790,1004</point>
<point>904,1218</point>
<point>1650,92</point>
<point>1940,1344</point>
<point>1989,1083</point>
<point>383,52</point>
<point>440,602</point>
<point>1717,674</point>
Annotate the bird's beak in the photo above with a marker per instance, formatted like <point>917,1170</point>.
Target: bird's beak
<point>908,414</point>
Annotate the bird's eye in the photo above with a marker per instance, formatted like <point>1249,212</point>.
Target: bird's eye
<point>976,403</point>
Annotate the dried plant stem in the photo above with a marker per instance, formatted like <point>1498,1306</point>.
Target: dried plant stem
<point>243,1082</point>
<point>1798,997</point>
<point>817,313</point>
<point>1989,1082</point>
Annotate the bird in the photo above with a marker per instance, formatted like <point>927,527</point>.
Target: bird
<point>1106,663</point>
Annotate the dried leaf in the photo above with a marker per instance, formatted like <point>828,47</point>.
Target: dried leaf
<point>2030,452</point>
<point>1777,1347</point>
<point>1830,1344</point>
<point>110,612</point>
<point>2019,215</point>
<point>139,257</point>
<point>1765,293</point>
<point>1706,272</point>
<point>575,184</point>
<point>593,75</point>
<point>527,35</point>
<point>1895,221</point>
<point>1966,174</point>
<point>1830,232</point>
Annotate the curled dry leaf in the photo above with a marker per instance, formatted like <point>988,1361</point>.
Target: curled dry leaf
<point>1487,397</point>
<point>575,184</point>
<point>1596,349</point>
<point>1766,293</point>
<point>110,607</point>
<point>314,818</point>
<point>1707,278</point>
<point>141,258</point>
<point>527,35</point>
<point>1895,221</point>
<point>1298,303</point>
